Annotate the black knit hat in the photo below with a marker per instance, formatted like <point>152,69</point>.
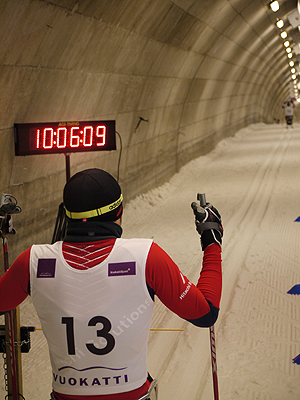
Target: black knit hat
<point>93,194</point>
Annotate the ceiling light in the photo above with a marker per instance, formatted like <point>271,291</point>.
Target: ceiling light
<point>291,63</point>
<point>294,76</point>
<point>283,34</point>
<point>274,6</point>
<point>290,55</point>
<point>286,43</point>
<point>293,70</point>
<point>280,23</point>
<point>288,50</point>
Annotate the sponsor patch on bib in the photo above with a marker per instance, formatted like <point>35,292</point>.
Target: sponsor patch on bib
<point>122,268</point>
<point>46,268</point>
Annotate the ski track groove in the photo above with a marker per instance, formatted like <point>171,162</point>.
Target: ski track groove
<point>250,213</point>
<point>263,314</point>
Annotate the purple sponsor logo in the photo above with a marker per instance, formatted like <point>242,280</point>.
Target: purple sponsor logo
<point>122,268</point>
<point>46,268</point>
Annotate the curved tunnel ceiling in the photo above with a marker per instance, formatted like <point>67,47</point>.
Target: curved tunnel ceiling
<point>197,70</point>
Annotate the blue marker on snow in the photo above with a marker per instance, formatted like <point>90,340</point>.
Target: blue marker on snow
<point>294,290</point>
<point>296,360</point>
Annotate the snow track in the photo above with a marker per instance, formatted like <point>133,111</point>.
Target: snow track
<point>253,179</point>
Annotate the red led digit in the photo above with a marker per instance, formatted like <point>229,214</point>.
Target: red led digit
<point>88,133</point>
<point>101,134</point>
<point>48,138</point>
<point>74,139</point>
<point>61,141</point>
<point>37,145</point>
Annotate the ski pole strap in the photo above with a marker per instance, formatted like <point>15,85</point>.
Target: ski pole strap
<point>203,226</point>
<point>9,208</point>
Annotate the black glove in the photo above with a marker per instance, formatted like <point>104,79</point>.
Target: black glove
<point>9,226</point>
<point>8,207</point>
<point>6,225</point>
<point>208,224</point>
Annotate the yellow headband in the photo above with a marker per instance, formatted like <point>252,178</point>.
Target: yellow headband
<point>94,213</point>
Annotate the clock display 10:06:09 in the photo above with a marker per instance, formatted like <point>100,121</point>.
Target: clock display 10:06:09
<point>73,137</point>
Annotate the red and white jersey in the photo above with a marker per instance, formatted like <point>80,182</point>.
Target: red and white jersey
<point>198,303</point>
<point>96,320</point>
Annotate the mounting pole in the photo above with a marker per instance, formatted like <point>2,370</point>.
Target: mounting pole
<point>68,172</point>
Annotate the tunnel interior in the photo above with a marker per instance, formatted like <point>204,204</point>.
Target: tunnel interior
<point>176,76</point>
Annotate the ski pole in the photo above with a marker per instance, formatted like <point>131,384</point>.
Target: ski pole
<point>11,336</point>
<point>201,197</point>
<point>8,205</point>
<point>214,362</point>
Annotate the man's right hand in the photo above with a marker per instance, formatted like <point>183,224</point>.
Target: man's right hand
<point>208,224</point>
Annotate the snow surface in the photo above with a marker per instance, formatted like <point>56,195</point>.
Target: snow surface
<point>253,180</point>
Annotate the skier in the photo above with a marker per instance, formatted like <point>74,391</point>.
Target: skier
<point>94,292</point>
<point>289,112</point>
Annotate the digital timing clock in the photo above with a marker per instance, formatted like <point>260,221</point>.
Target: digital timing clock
<point>64,137</point>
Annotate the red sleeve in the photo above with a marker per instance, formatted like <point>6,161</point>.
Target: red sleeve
<point>14,283</point>
<point>176,291</point>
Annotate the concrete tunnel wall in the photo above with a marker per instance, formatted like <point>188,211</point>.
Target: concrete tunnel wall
<point>197,70</point>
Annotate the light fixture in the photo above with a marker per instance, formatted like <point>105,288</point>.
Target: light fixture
<point>283,34</point>
<point>291,63</point>
<point>294,76</point>
<point>274,5</point>
<point>293,70</point>
<point>280,23</point>
<point>288,50</point>
<point>286,43</point>
<point>290,55</point>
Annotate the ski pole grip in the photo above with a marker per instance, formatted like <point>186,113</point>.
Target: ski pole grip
<point>206,225</point>
<point>202,198</point>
